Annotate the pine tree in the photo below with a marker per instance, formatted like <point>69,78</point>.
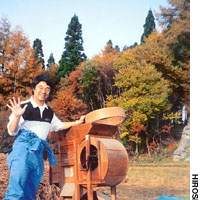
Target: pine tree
<point>149,26</point>
<point>117,48</point>
<point>37,46</point>
<point>73,54</point>
<point>50,61</point>
<point>130,47</point>
<point>108,48</point>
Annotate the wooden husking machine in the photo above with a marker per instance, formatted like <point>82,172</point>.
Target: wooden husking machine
<point>89,156</point>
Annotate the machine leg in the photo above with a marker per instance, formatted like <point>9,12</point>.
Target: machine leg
<point>89,175</point>
<point>90,193</point>
<point>113,193</point>
<point>77,195</point>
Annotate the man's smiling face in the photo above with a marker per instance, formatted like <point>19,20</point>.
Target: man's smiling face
<point>41,91</point>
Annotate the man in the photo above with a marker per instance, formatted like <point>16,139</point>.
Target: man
<point>30,122</point>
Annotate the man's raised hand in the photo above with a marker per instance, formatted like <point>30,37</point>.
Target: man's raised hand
<point>15,107</point>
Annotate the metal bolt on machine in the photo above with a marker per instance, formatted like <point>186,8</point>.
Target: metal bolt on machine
<point>89,156</point>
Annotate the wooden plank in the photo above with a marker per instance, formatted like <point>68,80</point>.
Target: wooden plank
<point>113,193</point>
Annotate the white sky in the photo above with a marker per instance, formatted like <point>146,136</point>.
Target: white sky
<point>120,21</point>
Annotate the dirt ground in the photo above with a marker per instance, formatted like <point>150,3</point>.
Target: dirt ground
<point>143,182</point>
<point>149,181</point>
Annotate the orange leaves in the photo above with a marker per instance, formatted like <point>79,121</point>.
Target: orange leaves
<point>153,146</point>
<point>17,51</point>
<point>171,147</point>
<point>65,103</point>
<point>138,128</point>
<point>166,129</point>
<point>67,106</point>
<point>106,59</point>
<point>19,65</point>
<point>74,78</point>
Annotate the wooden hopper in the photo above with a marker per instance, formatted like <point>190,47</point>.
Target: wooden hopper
<point>111,116</point>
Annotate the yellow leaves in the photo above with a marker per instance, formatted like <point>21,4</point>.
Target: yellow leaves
<point>134,138</point>
<point>105,61</point>
<point>123,134</point>
<point>172,116</point>
<point>154,51</point>
<point>143,92</point>
<point>141,79</point>
<point>125,59</point>
<point>138,118</point>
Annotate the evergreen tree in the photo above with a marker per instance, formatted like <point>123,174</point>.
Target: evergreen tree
<point>130,47</point>
<point>109,48</point>
<point>50,61</point>
<point>149,26</point>
<point>73,54</point>
<point>134,45</point>
<point>117,48</point>
<point>37,46</point>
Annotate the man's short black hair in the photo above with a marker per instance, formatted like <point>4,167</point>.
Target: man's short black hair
<point>42,77</point>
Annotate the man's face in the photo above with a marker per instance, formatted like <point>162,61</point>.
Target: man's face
<point>41,91</point>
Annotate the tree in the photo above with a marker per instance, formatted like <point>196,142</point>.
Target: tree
<point>50,61</point>
<point>175,21</point>
<point>130,47</point>
<point>73,54</point>
<point>52,69</point>
<point>109,48</point>
<point>98,77</point>
<point>20,67</point>
<point>67,106</point>
<point>117,48</point>
<point>4,33</point>
<point>37,46</point>
<point>142,92</point>
<point>90,82</point>
<point>67,102</point>
<point>149,26</point>
<point>177,10</point>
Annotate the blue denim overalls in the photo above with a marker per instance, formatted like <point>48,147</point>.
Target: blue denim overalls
<point>26,165</point>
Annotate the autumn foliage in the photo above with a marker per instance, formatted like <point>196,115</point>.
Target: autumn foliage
<point>150,81</point>
<point>66,102</point>
<point>18,67</point>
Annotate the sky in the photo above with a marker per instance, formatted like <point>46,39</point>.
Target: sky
<point>116,20</point>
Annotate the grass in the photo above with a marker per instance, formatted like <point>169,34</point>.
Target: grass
<point>148,179</point>
<point>161,177</point>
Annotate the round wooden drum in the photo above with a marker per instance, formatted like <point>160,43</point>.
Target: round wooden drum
<point>109,161</point>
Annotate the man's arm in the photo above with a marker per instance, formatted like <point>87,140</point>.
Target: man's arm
<point>58,125</point>
<point>13,125</point>
<point>16,114</point>
<point>74,123</point>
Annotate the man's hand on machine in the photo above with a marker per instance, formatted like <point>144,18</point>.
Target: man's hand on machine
<point>81,120</point>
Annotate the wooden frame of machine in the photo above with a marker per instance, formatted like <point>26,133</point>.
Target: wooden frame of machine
<point>89,156</point>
